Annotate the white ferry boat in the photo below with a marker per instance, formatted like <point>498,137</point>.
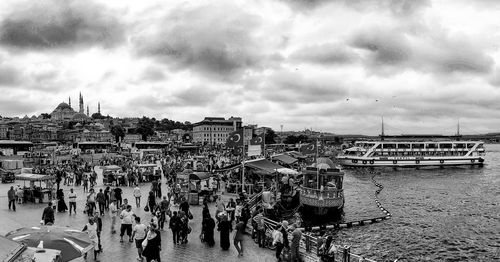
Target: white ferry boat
<point>400,153</point>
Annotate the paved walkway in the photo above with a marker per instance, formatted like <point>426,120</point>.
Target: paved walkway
<point>30,215</point>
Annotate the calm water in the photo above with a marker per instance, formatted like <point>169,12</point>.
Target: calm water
<point>450,214</point>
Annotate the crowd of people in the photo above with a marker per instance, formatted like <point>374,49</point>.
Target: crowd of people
<point>169,209</point>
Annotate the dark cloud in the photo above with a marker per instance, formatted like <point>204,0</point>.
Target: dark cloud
<point>51,24</point>
<point>325,54</point>
<point>393,50</point>
<point>396,7</point>
<point>9,75</point>
<point>213,40</point>
<point>385,47</point>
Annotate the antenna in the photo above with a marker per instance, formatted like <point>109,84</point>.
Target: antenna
<point>458,127</point>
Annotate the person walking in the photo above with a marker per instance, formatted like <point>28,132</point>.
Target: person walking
<point>238,238</point>
<point>224,228</point>
<point>72,201</point>
<point>164,208</point>
<point>85,182</point>
<point>153,244</point>
<point>106,197</point>
<point>91,228</point>
<point>101,201</point>
<point>175,224</point>
<point>151,201</point>
<point>139,234</point>
<point>278,241</point>
<point>261,229</point>
<point>295,244</point>
<point>91,202</point>
<point>137,195</point>
<point>11,194</point>
<point>126,226</point>
<point>220,207</point>
<point>113,212</point>
<point>61,204</point>
<point>208,225</point>
<point>98,222</point>
<point>48,215</point>
<point>231,207</point>
<point>118,196</point>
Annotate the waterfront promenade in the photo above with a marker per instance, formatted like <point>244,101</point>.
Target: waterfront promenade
<point>30,215</point>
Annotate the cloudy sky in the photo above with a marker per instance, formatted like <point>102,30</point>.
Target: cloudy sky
<point>329,65</point>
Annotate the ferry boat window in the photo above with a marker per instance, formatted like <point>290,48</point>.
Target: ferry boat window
<point>470,145</point>
<point>418,146</point>
<point>480,146</point>
<point>432,145</point>
<point>378,146</point>
<point>445,145</point>
<point>404,146</point>
<point>389,146</point>
<point>459,145</point>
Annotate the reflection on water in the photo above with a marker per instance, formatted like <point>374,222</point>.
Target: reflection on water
<point>450,214</point>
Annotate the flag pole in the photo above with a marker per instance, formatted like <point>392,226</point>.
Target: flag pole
<point>243,169</point>
<point>264,153</point>
<point>317,169</point>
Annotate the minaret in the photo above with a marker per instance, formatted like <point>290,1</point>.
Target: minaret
<point>99,108</point>
<point>88,111</point>
<point>81,111</point>
<point>69,101</point>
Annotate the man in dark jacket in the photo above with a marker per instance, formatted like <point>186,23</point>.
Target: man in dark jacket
<point>48,214</point>
<point>175,226</point>
<point>101,200</point>
<point>11,194</point>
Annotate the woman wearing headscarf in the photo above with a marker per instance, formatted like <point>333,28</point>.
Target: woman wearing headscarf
<point>207,227</point>
<point>225,228</point>
<point>152,246</point>
<point>61,204</point>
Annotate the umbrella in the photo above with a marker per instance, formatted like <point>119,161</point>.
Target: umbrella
<point>71,242</point>
<point>287,171</point>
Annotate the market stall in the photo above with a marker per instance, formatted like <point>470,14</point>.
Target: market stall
<point>200,185</point>
<point>37,194</point>
<point>111,174</point>
<point>149,172</point>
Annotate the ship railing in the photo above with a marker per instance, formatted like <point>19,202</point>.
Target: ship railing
<point>310,246</point>
<point>321,194</point>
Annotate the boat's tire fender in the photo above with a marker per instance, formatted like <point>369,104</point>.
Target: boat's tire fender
<point>395,161</point>
<point>364,162</point>
<point>472,160</point>
<point>441,161</point>
<point>371,162</point>
<point>355,161</point>
<point>417,161</point>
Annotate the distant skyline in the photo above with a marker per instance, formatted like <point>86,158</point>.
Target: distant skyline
<point>331,65</point>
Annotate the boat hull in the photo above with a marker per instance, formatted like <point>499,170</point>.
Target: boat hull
<point>410,162</point>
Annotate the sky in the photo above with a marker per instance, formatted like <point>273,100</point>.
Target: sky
<point>328,65</point>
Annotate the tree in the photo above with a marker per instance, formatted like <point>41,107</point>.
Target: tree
<point>145,127</point>
<point>46,116</point>
<point>270,136</point>
<point>118,131</point>
<point>97,116</point>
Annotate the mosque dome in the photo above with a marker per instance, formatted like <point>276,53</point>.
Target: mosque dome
<point>63,106</point>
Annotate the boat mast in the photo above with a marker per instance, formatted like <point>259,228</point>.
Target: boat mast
<point>382,135</point>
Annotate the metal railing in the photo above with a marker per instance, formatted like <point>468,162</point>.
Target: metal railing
<point>325,193</point>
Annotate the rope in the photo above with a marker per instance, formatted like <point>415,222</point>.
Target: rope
<point>377,192</point>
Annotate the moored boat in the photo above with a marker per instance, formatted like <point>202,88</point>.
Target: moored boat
<point>321,193</point>
<point>416,153</point>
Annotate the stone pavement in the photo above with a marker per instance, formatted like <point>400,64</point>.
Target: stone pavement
<point>30,215</point>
